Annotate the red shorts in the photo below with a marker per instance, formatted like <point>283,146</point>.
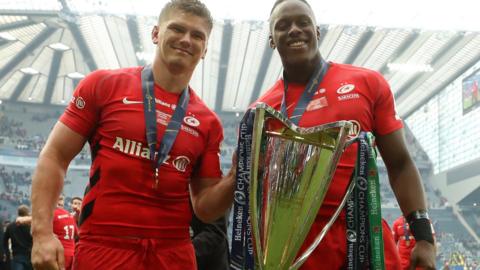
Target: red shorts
<point>106,252</point>
<point>332,251</point>
<point>68,262</point>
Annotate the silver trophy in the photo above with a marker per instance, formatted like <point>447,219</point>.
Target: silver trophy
<point>291,171</point>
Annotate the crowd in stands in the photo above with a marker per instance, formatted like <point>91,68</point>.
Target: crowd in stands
<point>415,149</point>
<point>230,132</point>
<point>15,135</point>
<point>15,185</point>
<point>457,252</point>
<point>11,128</point>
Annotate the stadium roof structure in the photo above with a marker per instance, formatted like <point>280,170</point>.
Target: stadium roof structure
<point>46,51</point>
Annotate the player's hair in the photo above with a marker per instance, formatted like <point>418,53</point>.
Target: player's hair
<point>76,198</point>
<point>23,210</point>
<point>194,7</point>
<point>278,2</point>
<point>281,1</point>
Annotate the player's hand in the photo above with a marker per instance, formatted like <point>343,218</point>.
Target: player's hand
<point>423,255</point>
<point>47,253</point>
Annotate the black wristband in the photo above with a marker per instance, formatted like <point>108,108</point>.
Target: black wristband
<point>420,226</point>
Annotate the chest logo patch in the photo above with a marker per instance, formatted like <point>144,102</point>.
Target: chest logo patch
<point>191,121</point>
<point>128,102</point>
<point>347,88</point>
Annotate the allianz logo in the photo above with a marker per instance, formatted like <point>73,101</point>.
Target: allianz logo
<point>135,148</point>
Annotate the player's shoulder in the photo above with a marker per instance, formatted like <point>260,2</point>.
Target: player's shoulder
<point>102,75</point>
<point>372,78</point>
<point>199,105</point>
<point>60,211</point>
<point>357,70</point>
<point>274,92</point>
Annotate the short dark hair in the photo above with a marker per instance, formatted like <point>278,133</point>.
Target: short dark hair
<point>278,2</point>
<point>76,198</point>
<point>23,210</point>
<point>194,7</point>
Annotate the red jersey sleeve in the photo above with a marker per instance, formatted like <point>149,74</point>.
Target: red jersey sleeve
<point>81,115</point>
<point>209,165</point>
<point>386,119</point>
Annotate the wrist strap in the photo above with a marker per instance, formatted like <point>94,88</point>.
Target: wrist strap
<point>420,226</point>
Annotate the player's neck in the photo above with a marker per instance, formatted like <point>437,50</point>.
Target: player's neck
<point>301,73</point>
<point>169,81</point>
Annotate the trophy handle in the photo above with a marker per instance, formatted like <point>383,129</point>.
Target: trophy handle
<point>325,229</point>
<point>350,141</point>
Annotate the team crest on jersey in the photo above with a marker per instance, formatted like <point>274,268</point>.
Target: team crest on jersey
<point>80,103</point>
<point>181,163</point>
<point>355,129</point>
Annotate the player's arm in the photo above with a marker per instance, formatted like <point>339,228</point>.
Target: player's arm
<point>24,220</point>
<point>211,198</point>
<point>47,182</point>
<point>407,186</point>
<point>403,175</point>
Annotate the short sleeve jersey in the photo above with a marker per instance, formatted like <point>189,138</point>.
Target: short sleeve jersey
<point>346,92</point>
<point>65,229</point>
<point>107,108</point>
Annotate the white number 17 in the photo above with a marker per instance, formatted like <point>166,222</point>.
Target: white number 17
<point>69,232</point>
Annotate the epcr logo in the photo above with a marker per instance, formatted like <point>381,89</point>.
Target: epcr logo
<point>351,236</point>
<point>345,89</point>
<point>240,197</point>
<point>191,121</point>
<point>362,183</point>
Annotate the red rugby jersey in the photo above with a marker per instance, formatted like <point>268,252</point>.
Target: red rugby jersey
<point>107,109</point>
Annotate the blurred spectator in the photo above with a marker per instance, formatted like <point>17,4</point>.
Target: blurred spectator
<point>65,228</point>
<point>76,203</point>
<point>210,243</point>
<point>3,255</point>
<point>20,242</point>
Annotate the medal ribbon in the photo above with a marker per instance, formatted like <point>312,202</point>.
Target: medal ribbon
<point>158,157</point>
